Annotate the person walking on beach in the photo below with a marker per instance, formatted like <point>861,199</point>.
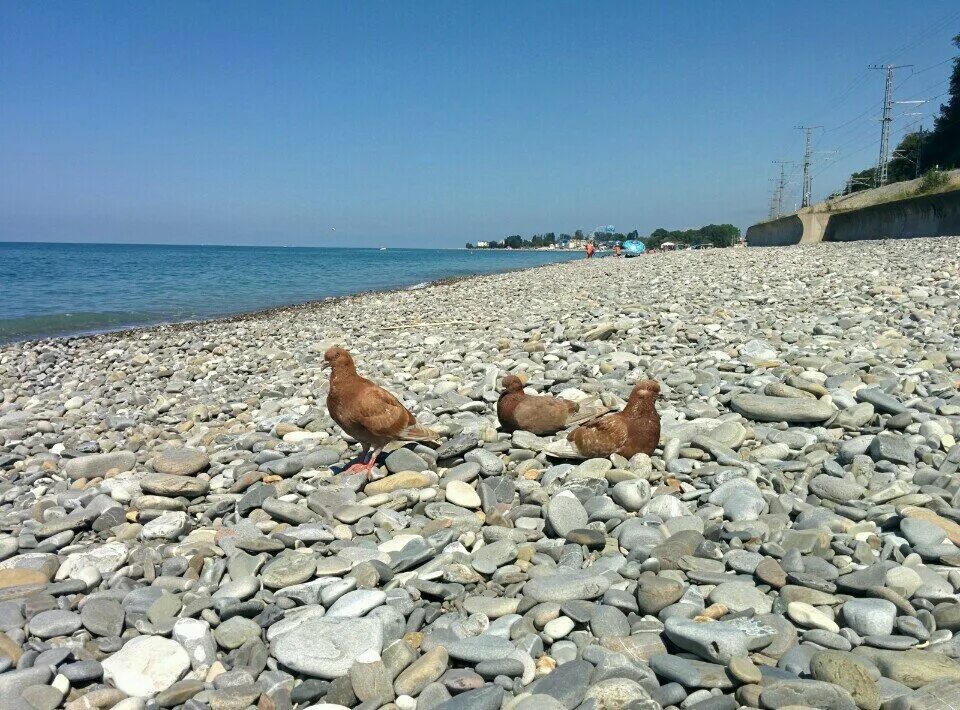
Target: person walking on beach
<point>616,250</point>
<point>590,250</point>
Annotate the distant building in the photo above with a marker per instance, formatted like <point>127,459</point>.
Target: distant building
<point>483,245</point>
<point>577,244</point>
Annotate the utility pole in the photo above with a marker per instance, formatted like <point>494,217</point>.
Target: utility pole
<point>881,175</point>
<point>776,206</point>
<point>807,158</point>
<point>919,150</point>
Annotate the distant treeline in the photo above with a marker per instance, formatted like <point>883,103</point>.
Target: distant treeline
<point>718,235</point>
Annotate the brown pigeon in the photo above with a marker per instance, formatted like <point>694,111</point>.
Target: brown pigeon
<point>633,431</point>
<point>367,412</point>
<point>538,414</point>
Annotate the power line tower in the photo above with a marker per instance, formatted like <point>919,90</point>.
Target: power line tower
<point>884,159</point>
<point>780,188</point>
<point>919,151</point>
<point>807,159</point>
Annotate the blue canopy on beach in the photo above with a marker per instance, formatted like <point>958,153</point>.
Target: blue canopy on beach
<point>634,246</point>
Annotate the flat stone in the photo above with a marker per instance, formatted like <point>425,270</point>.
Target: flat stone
<point>180,462</point>
<point>236,631</point>
<point>762,408</point>
<point>691,674</point>
<point>846,670</point>
<point>839,490</point>
<point>913,668</point>
<point>565,586</point>
<point>489,558</point>
<point>102,617</point>
<point>806,693</point>
<point>56,622</point>
<point>169,526</point>
<point>893,447</point>
<point>810,617</point>
<point>405,460</point>
<point>326,648</point>
<point>97,465</point>
<point>146,665</point>
<point>740,596</point>
<point>419,674</point>
<point>164,484</point>
<point>400,481</point>
<point>567,683</point>
<point>356,603</point>
<point>565,513</point>
<point>287,570</point>
<point>462,494</point>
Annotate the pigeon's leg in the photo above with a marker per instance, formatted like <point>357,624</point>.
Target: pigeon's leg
<point>362,464</point>
<point>373,462</point>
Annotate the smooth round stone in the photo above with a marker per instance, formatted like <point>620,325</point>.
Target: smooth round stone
<point>559,627</point>
<point>102,617</point>
<point>904,581</point>
<point>491,607</point>
<point>81,672</point>
<point>491,557</point>
<point>588,537</point>
<point>146,665</point>
<point>870,617</point>
<point>565,513</point>
<point>405,460</point>
<point>462,494</point>
<point>56,622</point>
<point>811,617</point>
<point>288,570</point>
<point>236,631</point>
<point>744,670</point>
<point>490,464</point>
<point>631,495</point>
<point>607,621</point>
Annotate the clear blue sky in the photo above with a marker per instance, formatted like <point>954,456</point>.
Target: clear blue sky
<point>434,123</point>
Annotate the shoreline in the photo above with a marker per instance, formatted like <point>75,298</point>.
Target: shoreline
<point>808,426</point>
<point>259,313</point>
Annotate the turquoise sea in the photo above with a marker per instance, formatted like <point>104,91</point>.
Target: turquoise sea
<point>69,289</point>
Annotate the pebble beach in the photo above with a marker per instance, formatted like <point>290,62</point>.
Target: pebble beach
<point>175,532</point>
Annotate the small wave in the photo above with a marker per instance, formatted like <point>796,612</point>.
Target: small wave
<point>417,287</point>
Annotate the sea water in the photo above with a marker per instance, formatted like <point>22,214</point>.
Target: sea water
<point>70,289</point>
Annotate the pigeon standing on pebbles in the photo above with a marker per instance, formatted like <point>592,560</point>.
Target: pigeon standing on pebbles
<point>367,412</point>
<point>635,430</point>
<point>539,414</point>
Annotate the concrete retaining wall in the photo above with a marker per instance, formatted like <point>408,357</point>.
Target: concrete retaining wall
<point>924,216</point>
<point>776,233</point>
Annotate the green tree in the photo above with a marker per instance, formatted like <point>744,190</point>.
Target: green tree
<point>514,241</point>
<point>944,146</point>
<point>469,245</point>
